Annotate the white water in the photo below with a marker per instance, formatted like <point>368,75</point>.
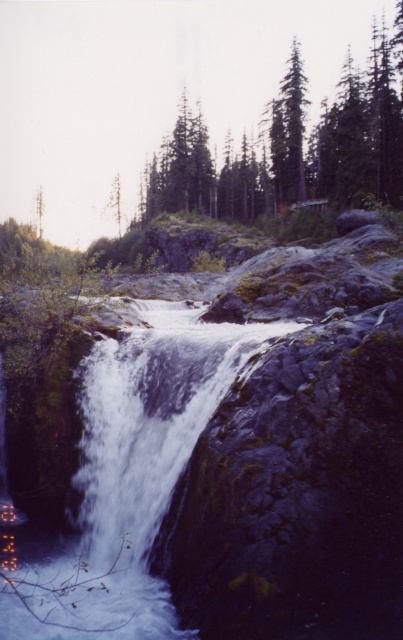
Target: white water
<point>144,401</point>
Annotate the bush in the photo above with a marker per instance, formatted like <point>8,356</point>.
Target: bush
<point>41,295</point>
<point>206,262</point>
<point>393,220</point>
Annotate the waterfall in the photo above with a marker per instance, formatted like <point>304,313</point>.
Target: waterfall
<point>144,401</point>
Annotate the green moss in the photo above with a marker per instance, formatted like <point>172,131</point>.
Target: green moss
<point>249,288</point>
<point>261,586</point>
<point>239,581</point>
<point>54,399</point>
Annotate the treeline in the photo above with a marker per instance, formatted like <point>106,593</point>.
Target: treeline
<point>355,151</point>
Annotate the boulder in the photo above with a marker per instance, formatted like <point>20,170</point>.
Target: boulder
<point>307,285</point>
<point>354,219</point>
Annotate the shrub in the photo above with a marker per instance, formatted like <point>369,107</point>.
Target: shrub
<point>204,261</point>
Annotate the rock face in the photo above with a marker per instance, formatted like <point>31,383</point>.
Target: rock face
<point>43,431</point>
<point>291,282</point>
<point>178,246</point>
<point>288,522</point>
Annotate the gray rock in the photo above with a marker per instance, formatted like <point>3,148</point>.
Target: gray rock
<point>337,313</point>
<point>352,220</point>
<point>304,523</point>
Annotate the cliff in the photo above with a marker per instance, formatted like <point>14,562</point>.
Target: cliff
<point>288,521</point>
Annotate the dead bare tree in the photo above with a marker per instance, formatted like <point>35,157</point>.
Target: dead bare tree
<point>29,591</point>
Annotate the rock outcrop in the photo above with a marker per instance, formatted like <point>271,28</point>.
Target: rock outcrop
<point>354,219</point>
<point>288,522</point>
<point>292,282</point>
<point>178,246</point>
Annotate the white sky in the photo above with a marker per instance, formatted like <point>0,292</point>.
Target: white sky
<point>89,88</point>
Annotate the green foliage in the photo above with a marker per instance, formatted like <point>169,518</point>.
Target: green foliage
<point>204,261</point>
<point>42,293</point>
<point>118,251</point>
<point>14,238</point>
<point>306,224</point>
<point>392,219</point>
<point>148,265</point>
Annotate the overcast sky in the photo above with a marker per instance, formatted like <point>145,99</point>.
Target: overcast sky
<point>89,88</point>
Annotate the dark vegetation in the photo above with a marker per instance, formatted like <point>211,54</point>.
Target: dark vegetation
<point>42,342</point>
<point>352,158</point>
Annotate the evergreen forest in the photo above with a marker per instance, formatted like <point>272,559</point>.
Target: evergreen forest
<point>353,154</point>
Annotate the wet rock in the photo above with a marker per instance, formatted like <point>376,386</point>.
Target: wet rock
<point>228,308</point>
<point>294,519</point>
<point>290,282</point>
<point>334,314</point>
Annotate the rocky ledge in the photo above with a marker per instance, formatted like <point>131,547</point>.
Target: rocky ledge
<point>178,245</point>
<point>288,522</point>
<point>354,272</point>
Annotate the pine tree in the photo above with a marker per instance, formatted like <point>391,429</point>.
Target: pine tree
<point>326,156</point>
<point>142,211</point>
<point>153,192</point>
<point>390,128</point>
<point>293,91</point>
<point>352,146</point>
<point>226,185</point>
<point>385,118</point>
<point>312,163</point>
<point>397,41</point>
<point>165,158</point>
<point>278,149</point>
<point>244,172</point>
<point>201,164</point>
<point>180,170</point>
<point>266,206</point>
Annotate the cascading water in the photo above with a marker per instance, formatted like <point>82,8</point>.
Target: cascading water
<point>144,402</point>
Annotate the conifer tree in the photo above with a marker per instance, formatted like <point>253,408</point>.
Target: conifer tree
<point>201,166</point>
<point>352,147</point>
<point>278,149</point>
<point>294,103</point>
<point>390,128</point>
<point>326,156</point>
<point>397,41</point>
<point>180,169</point>
<point>226,184</point>
<point>265,207</point>
<point>153,192</point>
<point>244,171</point>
